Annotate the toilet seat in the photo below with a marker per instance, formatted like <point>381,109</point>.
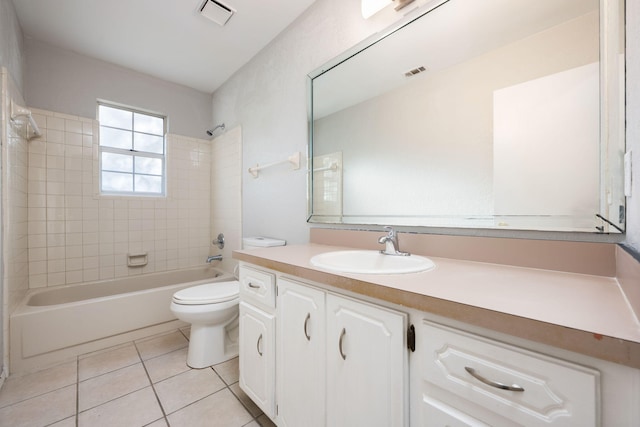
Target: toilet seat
<point>209,293</point>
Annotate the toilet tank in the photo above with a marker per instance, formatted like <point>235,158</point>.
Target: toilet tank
<point>261,242</point>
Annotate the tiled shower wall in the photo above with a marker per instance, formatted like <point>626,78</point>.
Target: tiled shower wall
<point>226,191</point>
<point>76,235</point>
<point>14,197</point>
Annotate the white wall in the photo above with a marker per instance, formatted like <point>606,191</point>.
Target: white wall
<point>529,131</point>
<point>11,42</point>
<point>268,98</point>
<point>63,81</point>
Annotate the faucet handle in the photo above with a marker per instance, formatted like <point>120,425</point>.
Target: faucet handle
<point>392,232</point>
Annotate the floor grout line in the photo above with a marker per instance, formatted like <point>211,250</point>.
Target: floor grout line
<point>77,391</point>
<point>155,393</point>
<point>26,399</point>
<point>108,373</point>
<point>228,372</point>
<point>115,398</point>
<point>228,387</point>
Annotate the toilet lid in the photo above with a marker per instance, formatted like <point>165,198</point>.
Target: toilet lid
<point>209,293</point>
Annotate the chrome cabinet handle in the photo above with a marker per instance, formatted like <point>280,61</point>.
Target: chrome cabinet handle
<point>495,384</point>
<point>342,334</point>
<point>258,345</point>
<point>306,322</point>
<point>252,286</point>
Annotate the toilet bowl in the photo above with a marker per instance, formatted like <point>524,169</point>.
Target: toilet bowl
<point>212,310</point>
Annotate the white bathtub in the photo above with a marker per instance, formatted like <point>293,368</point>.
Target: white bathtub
<point>57,324</point>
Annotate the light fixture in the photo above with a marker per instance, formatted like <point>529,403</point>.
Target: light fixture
<point>402,3</point>
<point>216,11</point>
<point>371,7</point>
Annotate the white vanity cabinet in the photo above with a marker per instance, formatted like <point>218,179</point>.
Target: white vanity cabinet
<point>341,362</point>
<point>257,342</point>
<point>311,356</point>
<point>367,364</point>
<point>467,380</point>
<point>301,361</point>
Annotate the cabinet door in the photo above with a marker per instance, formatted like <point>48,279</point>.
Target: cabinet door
<point>257,357</point>
<point>366,365</point>
<point>301,355</point>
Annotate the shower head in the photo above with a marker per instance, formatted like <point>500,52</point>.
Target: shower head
<point>211,131</point>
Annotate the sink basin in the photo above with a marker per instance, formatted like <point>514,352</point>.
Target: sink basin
<point>371,262</point>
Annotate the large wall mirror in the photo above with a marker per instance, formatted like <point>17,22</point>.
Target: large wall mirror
<point>484,114</point>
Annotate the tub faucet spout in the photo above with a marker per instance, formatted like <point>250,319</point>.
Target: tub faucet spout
<point>214,258</point>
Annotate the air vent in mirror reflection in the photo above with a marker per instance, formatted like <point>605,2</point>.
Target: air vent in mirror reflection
<point>415,71</point>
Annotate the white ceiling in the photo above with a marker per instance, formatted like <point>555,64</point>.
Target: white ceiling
<point>448,35</point>
<point>168,39</point>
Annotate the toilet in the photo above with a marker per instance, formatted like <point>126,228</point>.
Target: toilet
<point>212,310</point>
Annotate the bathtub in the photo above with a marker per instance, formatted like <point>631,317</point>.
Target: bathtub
<point>57,324</point>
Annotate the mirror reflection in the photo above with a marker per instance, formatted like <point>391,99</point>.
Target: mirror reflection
<point>475,114</point>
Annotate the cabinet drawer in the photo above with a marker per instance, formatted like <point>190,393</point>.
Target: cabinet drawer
<point>482,377</point>
<point>258,287</point>
<point>436,413</point>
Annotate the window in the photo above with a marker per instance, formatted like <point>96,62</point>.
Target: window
<point>132,151</point>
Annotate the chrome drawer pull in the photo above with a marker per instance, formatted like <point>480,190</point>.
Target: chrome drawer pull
<point>495,384</point>
<point>306,322</point>
<point>252,286</point>
<point>258,345</point>
<point>342,334</point>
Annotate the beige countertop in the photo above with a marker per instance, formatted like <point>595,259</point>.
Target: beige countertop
<point>584,313</point>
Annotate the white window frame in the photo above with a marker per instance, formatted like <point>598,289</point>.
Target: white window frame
<point>133,153</point>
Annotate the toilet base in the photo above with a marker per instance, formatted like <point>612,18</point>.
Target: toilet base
<point>204,345</point>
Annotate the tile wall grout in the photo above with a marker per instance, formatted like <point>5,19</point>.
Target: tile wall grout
<point>74,235</point>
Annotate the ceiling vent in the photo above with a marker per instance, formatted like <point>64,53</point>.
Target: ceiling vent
<point>216,11</point>
<point>415,71</point>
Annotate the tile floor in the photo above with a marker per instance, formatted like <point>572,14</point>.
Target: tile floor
<point>142,383</point>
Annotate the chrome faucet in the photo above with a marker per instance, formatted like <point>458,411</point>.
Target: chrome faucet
<point>390,242</point>
<point>214,258</point>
